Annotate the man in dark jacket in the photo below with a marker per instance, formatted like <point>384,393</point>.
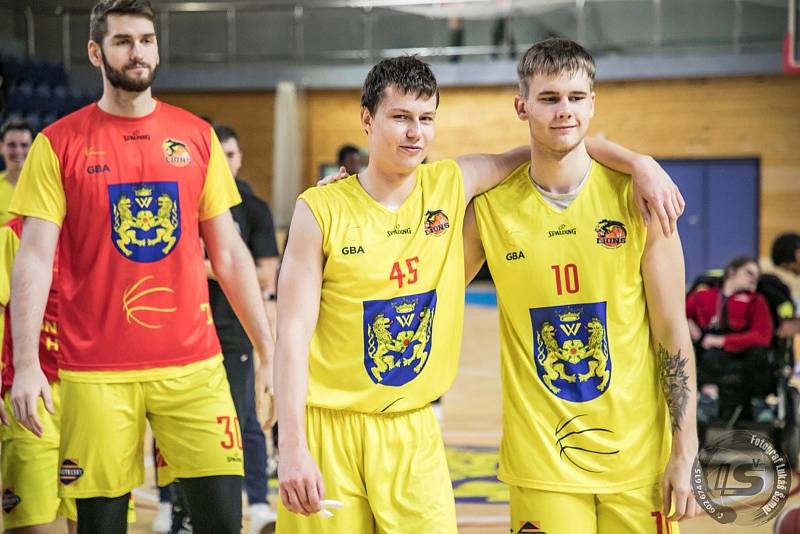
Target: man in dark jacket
<point>254,221</point>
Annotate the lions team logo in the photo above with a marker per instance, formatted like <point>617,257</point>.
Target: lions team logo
<point>571,350</point>
<point>397,337</point>
<point>436,222</point>
<point>176,152</point>
<point>145,219</point>
<point>611,234</point>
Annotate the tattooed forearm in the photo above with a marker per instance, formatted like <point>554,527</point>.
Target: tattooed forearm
<point>674,383</point>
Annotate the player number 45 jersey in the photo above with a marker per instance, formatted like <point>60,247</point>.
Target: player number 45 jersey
<point>391,314</point>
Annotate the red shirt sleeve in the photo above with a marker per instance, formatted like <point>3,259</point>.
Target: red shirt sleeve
<point>759,334</point>
<point>691,306</point>
<point>701,307</point>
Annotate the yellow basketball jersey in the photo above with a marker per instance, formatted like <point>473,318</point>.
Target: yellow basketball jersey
<point>392,308</point>
<point>582,409</point>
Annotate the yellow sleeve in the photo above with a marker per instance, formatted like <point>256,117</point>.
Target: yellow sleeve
<point>319,205</point>
<point>219,190</point>
<point>40,191</point>
<point>9,244</point>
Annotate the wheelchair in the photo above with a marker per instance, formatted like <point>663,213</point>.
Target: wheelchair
<point>736,407</point>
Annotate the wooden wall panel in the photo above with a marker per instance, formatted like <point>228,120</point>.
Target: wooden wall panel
<point>332,120</point>
<point>251,114</point>
<point>735,117</point>
<point>704,118</point>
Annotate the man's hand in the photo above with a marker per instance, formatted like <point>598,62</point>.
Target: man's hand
<point>334,177</point>
<point>677,488</point>
<point>300,481</point>
<point>694,330</point>
<point>265,407</point>
<point>789,328</point>
<point>655,191</point>
<point>30,384</point>
<point>712,341</point>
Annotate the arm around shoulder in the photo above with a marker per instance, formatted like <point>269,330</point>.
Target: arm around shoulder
<point>474,254</point>
<point>654,189</point>
<point>482,172</point>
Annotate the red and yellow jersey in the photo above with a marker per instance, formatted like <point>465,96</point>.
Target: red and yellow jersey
<point>48,338</point>
<point>129,194</point>
<point>392,305</point>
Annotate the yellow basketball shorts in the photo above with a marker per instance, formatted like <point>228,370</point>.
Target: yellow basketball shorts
<point>103,424</point>
<point>636,511</point>
<point>389,471</point>
<point>29,467</point>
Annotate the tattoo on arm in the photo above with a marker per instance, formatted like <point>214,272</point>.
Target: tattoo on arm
<point>674,383</point>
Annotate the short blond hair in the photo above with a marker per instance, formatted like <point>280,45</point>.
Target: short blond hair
<point>552,57</point>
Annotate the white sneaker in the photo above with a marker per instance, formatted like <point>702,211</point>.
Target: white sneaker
<point>163,521</point>
<point>272,466</point>
<point>260,516</point>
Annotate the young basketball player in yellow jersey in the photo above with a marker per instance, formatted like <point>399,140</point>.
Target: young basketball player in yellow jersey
<point>28,464</point>
<point>596,356</point>
<point>371,302</point>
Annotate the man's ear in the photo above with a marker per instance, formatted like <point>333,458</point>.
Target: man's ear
<point>366,120</point>
<point>521,107</point>
<point>95,54</point>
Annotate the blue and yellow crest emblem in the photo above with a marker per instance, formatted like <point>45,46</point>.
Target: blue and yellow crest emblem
<point>570,350</point>
<point>145,219</point>
<point>397,337</point>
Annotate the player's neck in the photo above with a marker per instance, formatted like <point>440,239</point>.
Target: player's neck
<point>390,189</point>
<point>12,174</point>
<point>559,172</point>
<point>124,103</point>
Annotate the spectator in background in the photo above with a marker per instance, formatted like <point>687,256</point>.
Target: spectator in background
<point>732,327</point>
<point>350,158</point>
<point>254,222</point>
<point>786,252</point>
<point>786,255</point>
<point>16,137</point>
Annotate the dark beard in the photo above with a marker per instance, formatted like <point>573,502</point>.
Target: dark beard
<point>120,80</point>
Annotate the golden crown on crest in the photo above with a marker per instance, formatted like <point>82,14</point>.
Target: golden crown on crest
<point>405,306</point>
<point>143,191</point>
<point>569,316</point>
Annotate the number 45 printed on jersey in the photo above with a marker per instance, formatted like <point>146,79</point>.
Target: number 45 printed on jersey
<point>398,332</point>
<point>407,276</point>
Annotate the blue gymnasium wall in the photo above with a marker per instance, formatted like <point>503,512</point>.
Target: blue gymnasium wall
<point>721,217</point>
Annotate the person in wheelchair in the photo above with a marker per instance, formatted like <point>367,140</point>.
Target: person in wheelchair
<point>732,328</point>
